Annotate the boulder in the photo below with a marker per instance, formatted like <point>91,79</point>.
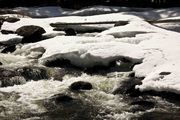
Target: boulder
<point>81,85</point>
<point>31,33</point>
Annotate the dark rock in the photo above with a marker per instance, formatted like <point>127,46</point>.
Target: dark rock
<point>7,32</point>
<point>7,73</point>
<point>10,77</point>
<point>70,32</point>
<point>31,33</point>
<point>81,85</point>
<point>12,19</point>
<point>128,87</point>
<point>61,98</point>
<point>164,73</point>
<point>8,49</point>
<point>38,73</point>
<point>121,23</point>
<point>30,30</point>
<point>1,63</point>
<point>10,81</point>
<point>33,73</point>
<point>132,74</point>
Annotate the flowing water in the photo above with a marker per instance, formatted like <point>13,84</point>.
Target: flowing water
<point>37,100</point>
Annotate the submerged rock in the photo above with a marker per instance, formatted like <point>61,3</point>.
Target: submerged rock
<point>31,33</point>
<point>81,85</point>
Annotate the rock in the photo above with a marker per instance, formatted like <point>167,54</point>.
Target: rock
<point>132,74</point>
<point>1,63</point>
<point>8,49</point>
<point>12,19</point>
<point>38,73</point>
<point>56,73</point>
<point>61,98</point>
<point>10,77</point>
<point>164,73</point>
<point>31,33</point>
<point>7,32</point>
<point>33,73</point>
<point>16,80</point>
<point>81,85</point>
<point>70,32</point>
<point>7,73</point>
<point>121,23</point>
<point>128,87</point>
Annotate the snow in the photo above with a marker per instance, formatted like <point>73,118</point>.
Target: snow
<point>10,39</point>
<point>85,51</point>
<point>151,48</point>
<point>158,49</point>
